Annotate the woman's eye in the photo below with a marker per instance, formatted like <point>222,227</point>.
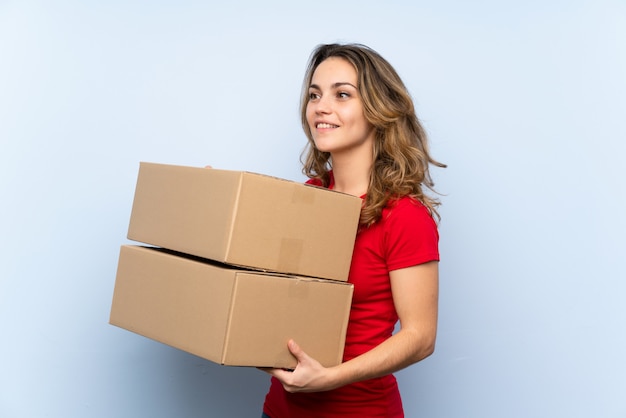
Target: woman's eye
<point>313,96</point>
<point>343,95</point>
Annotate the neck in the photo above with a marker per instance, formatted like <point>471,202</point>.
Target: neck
<point>352,172</point>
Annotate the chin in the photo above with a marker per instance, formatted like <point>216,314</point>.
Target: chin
<point>323,147</point>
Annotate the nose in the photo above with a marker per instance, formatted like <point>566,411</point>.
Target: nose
<point>323,105</point>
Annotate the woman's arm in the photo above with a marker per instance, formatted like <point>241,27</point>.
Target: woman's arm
<point>415,293</point>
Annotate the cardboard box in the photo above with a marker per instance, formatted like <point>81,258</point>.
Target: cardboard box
<point>227,315</point>
<point>246,219</point>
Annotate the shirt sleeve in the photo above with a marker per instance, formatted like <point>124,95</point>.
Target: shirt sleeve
<point>411,235</point>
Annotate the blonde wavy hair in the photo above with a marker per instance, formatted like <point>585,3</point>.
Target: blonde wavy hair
<point>401,155</point>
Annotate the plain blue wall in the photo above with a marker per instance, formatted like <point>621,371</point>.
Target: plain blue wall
<point>524,100</point>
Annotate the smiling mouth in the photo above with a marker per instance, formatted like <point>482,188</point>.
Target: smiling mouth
<point>325,126</point>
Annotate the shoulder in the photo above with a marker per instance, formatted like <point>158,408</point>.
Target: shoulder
<point>319,183</point>
<point>314,182</point>
<point>407,219</point>
<point>410,234</point>
<point>407,207</point>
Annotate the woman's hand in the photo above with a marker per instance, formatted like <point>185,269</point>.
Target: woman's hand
<point>308,376</point>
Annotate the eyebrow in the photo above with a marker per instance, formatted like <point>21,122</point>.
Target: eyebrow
<point>335,85</point>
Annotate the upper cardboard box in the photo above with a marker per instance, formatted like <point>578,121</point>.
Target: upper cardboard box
<point>227,315</point>
<point>246,219</point>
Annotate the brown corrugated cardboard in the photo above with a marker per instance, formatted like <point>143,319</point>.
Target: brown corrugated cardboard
<point>229,316</point>
<point>245,219</point>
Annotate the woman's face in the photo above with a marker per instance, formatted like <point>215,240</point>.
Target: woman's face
<point>334,111</point>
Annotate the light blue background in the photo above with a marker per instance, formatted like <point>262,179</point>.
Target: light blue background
<point>524,100</point>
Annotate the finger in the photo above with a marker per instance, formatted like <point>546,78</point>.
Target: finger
<point>283,376</point>
<point>294,348</point>
<point>297,351</point>
<point>271,370</point>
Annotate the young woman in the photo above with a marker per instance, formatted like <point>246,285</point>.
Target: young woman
<point>365,140</point>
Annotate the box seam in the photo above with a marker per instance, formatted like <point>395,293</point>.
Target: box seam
<point>233,219</point>
<point>229,318</point>
<point>344,332</point>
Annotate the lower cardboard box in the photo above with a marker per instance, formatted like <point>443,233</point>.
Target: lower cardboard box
<point>228,315</point>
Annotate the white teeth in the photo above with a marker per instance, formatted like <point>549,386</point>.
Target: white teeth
<point>325,126</point>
